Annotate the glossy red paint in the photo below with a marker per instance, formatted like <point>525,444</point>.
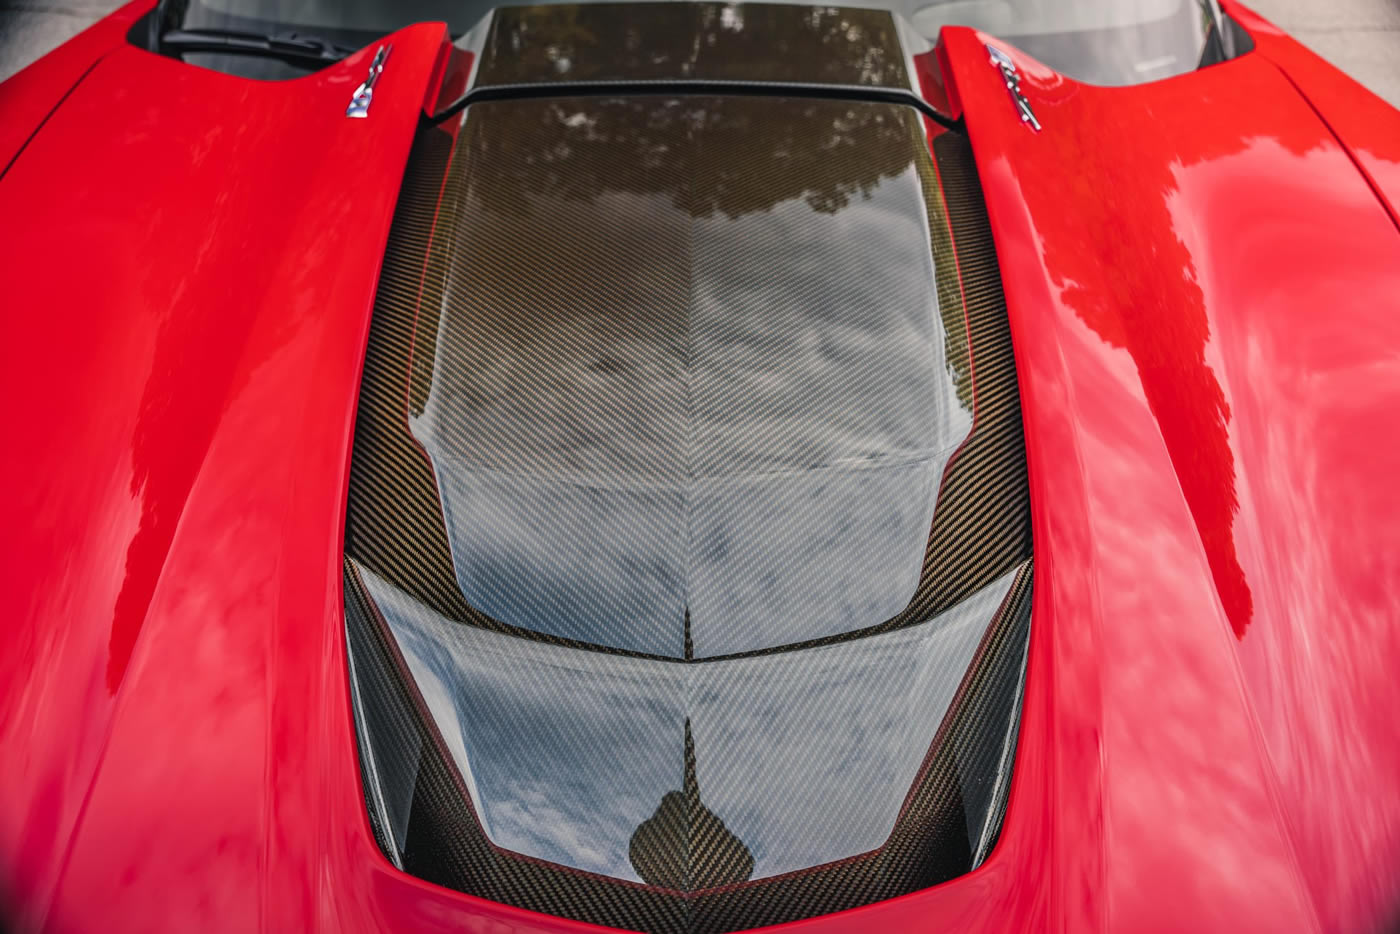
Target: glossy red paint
<point>186,307</point>
<point>1367,126</point>
<point>27,98</point>
<point>1205,300</point>
<point>1203,293</point>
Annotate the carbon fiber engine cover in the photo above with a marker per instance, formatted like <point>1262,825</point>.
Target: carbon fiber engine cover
<point>688,553</point>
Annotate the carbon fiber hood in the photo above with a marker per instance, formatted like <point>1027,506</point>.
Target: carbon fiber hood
<point>673,541</point>
<point>647,41</point>
<point>684,415</point>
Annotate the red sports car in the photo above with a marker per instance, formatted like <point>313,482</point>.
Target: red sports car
<point>691,467</point>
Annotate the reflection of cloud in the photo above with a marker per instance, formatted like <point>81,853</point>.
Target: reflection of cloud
<point>184,341</point>
<point>1156,311</point>
<point>1156,302</point>
<point>650,407</point>
<point>1157,647</point>
<point>1313,368</point>
<point>528,820</point>
<point>775,560</point>
<point>806,756</point>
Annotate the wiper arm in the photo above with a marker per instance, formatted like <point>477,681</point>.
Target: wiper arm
<point>297,48</point>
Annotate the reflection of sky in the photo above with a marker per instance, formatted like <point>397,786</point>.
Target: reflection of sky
<point>761,445</point>
<point>806,756</point>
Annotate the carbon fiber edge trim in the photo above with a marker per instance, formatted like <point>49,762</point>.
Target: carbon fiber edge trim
<point>981,525</point>
<point>984,502</point>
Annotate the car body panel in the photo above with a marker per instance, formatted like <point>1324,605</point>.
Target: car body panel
<point>1203,295</point>
<point>27,98</point>
<point>1366,125</point>
<point>1239,436</point>
<point>212,346</point>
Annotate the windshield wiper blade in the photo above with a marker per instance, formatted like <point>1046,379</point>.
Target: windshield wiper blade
<point>294,47</point>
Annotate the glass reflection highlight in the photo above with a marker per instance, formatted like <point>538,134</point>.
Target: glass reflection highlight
<point>805,756</point>
<point>662,398</point>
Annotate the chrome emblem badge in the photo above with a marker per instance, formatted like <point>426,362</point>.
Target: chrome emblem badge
<point>364,94</point>
<point>1012,77</point>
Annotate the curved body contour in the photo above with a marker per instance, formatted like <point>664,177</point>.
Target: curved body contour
<point>1203,283</point>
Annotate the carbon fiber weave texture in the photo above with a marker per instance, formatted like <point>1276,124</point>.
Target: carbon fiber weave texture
<point>932,841</point>
<point>702,41</point>
<point>981,523</point>
<point>980,529</point>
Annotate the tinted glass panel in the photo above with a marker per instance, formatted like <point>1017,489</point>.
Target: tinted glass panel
<point>1100,41</point>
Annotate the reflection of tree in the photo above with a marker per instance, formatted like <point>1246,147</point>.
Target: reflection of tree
<point>685,846</point>
<point>710,41</point>
<point>1120,265</point>
<point>727,154</point>
<point>731,155</point>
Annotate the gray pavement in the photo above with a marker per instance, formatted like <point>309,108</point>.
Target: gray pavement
<point>1362,37</point>
<point>29,28</point>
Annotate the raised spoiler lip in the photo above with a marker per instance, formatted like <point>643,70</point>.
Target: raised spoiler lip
<point>695,87</point>
<point>171,285</point>
<point>907,58</point>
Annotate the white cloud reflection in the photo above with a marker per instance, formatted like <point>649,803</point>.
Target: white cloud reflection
<point>806,756</point>
<point>759,444</point>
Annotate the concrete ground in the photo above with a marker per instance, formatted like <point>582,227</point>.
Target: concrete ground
<point>1362,37</point>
